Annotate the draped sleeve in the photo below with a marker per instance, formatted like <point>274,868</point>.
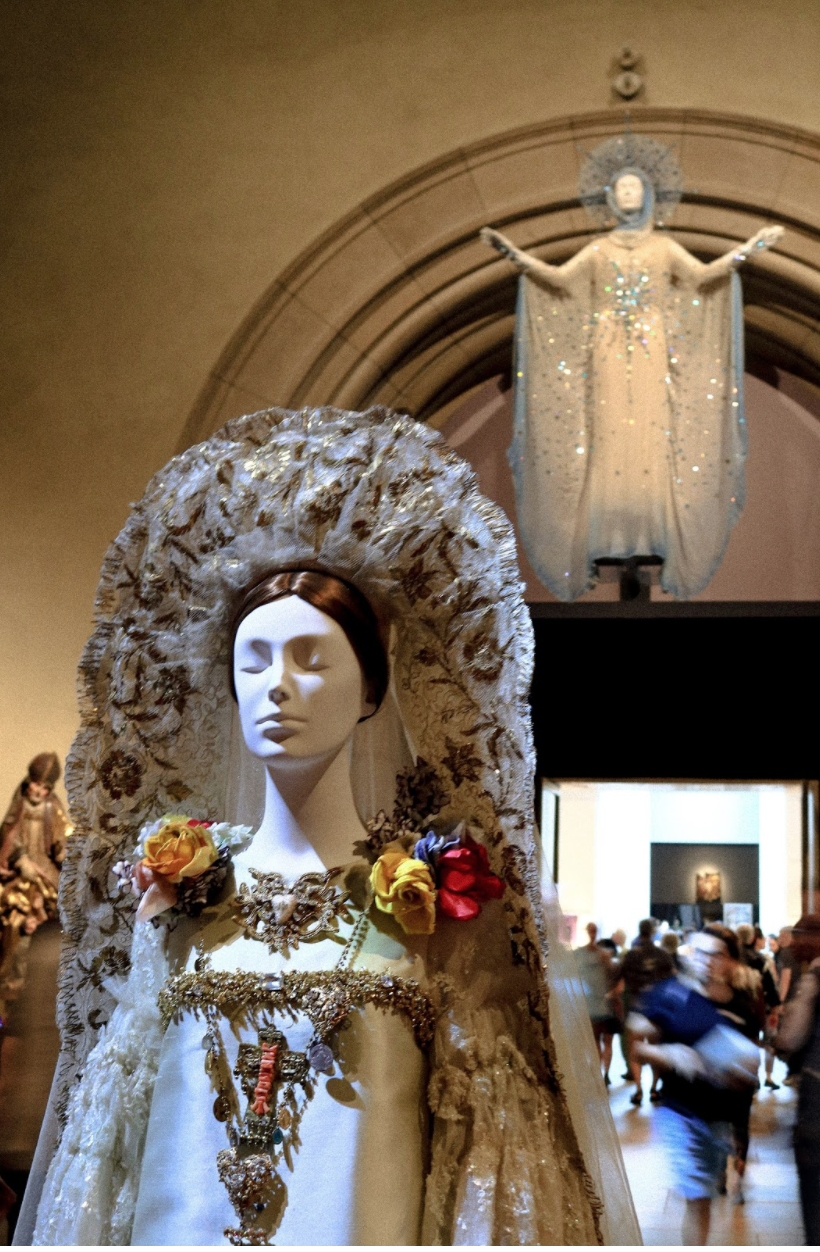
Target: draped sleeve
<point>504,1162</point>
<point>90,1190</point>
<point>551,420</point>
<point>708,439</point>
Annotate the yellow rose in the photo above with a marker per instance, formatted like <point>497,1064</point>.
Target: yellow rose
<point>404,888</point>
<point>179,850</point>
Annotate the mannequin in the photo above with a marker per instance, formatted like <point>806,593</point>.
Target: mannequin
<point>452,1108</point>
<point>301,692</point>
<point>629,436</point>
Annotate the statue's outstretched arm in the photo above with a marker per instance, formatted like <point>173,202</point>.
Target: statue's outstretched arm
<point>723,265</point>
<point>553,275</point>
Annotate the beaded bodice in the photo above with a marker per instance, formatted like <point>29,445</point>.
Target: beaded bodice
<point>282,998</point>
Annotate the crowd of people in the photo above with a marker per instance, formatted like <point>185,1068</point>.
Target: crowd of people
<point>701,1008</point>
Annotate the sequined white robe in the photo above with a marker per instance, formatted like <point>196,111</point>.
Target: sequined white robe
<point>629,434</point>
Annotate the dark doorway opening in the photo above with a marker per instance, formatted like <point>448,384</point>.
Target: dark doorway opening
<point>676,691</point>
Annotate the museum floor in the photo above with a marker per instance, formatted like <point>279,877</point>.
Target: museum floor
<point>770,1216</point>
<point>771,1213</point>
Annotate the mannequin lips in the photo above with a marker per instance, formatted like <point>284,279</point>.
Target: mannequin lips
<point>279,726</point>
<point>277,733</point>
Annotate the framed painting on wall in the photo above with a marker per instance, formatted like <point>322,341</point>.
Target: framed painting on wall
<point>707,888</point>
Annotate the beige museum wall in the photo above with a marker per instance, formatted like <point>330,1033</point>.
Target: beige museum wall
<point>164,161</point>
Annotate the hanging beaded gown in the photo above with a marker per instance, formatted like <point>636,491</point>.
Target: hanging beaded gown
<point>457,1095</point>
<point>629,435</point>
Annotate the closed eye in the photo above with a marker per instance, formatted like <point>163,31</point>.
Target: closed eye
<point>307,653</point>
<point>258,657</point>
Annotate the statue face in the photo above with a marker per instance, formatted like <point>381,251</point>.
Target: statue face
<point>36,792</point>
<point>629,193</point>
<point>299,686</point>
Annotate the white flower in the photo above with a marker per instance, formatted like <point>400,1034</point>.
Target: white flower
<point>225,835</point>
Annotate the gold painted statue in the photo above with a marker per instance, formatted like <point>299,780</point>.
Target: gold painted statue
<point>32,846</point>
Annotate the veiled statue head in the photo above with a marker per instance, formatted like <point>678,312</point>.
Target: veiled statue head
<point>631,198</point>
<point>609,178</point>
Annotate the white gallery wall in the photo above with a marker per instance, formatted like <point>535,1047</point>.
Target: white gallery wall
<point>606,830</point>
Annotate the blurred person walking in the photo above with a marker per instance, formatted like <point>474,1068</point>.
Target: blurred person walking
<point>695,1030</point>
<point>747,982</point>
<point>751,943</point>
<point>643,965</point>
<point>670,942</point>
<point>785,964</point>
<point>799,1036</point>
<point>600,978</point>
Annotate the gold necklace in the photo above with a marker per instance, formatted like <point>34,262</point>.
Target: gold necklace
<point>283,915</point>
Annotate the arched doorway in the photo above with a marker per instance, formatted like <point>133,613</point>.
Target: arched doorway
<point>400,303</point>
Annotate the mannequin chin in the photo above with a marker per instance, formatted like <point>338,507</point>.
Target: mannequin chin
<point>629,193</point>
<point>300,692</point>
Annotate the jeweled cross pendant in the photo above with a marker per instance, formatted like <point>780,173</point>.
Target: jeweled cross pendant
<point>259,1067</point>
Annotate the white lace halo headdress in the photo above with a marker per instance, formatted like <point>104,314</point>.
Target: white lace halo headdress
<point>381,501</point>
<point>628,152</point>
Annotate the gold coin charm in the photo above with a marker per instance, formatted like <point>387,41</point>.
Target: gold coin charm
<point>222,1109</point>
<point>284,1118</point>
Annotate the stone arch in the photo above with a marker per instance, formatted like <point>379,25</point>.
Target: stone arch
<point>399,302</point>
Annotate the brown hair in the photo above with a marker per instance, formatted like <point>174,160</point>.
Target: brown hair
<point>726,936</point>
<point>340,601</point>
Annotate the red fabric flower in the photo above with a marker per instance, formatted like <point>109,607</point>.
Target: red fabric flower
<point>466,881</point>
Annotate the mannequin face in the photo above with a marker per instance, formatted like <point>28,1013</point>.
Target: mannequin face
<point>629,193</point>
<point>299,686</point>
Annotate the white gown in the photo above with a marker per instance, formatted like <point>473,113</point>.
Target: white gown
<point>629,434</point>
<point>137,1160</point>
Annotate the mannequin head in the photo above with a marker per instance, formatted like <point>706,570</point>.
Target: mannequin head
<point>299,685</point>
<point>629,193</point>
<point>631,199</point>
<point>337,599</point>
<point>308,664</point>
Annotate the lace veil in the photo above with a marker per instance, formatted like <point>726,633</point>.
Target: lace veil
<point>381,501</point>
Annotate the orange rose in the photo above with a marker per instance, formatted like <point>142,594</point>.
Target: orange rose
<point>180,849</point>
<point>404,888</point>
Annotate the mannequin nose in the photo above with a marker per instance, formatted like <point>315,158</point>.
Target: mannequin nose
<point>278,689</point>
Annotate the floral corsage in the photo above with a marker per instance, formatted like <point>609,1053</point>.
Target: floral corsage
<point>179,863</point>
<point>449,872</point>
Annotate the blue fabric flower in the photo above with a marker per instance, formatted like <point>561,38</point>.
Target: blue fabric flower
<point>430,847</point>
